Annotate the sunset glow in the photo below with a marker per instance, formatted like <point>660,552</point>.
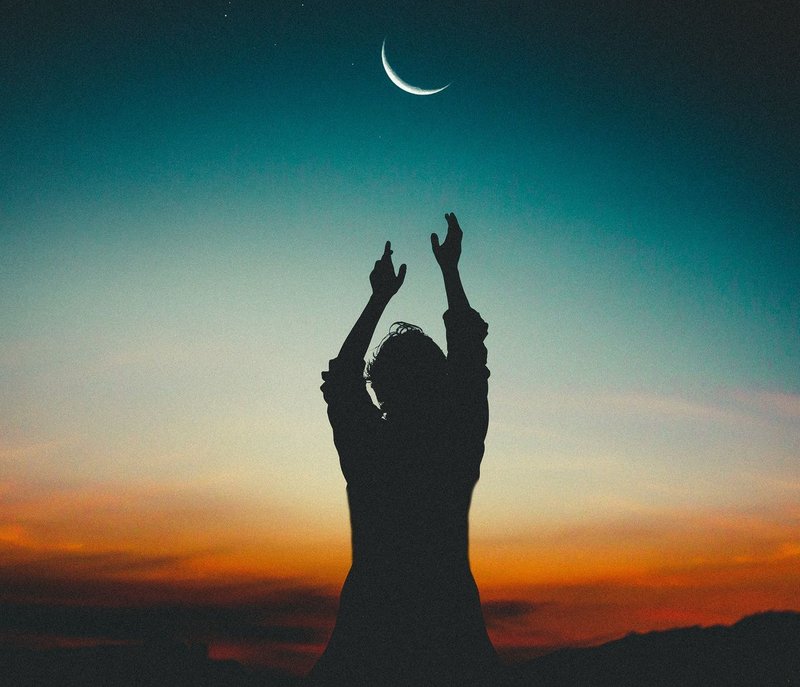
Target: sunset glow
<point>552,586</point>
<point>191,200</point>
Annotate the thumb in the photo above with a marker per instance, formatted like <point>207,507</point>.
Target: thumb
<point>401,275</point>
<point>435,242</point>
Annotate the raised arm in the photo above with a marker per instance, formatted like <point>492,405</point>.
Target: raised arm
<point>466,353</point>
<point>352,414</point>
<point>385,284</point>
<point>447,255</point>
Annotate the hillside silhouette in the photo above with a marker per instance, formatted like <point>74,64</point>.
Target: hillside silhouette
<point>761,650</point>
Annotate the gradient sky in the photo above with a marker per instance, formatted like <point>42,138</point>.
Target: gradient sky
<point>191,199</point>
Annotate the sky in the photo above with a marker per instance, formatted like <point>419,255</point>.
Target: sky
<point>191,199</point>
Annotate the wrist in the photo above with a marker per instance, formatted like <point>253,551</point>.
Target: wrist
<point>379,301</point>
<point>450,275</point>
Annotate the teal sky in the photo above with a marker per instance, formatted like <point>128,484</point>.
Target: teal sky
<point>191,201</point>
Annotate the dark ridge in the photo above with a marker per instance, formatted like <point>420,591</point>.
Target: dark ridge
<point>761,650</point>
<point>147,665</point>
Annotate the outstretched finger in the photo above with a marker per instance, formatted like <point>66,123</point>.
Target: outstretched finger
<point>452,222</point>
<point>387,251</point>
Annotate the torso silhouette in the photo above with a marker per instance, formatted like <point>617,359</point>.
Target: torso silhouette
<point>409,611</point>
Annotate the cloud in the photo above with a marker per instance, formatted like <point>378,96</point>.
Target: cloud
<point>14,534</point>
<point>506,609</point>
<point>13,453</point>
<point>272,622</point>
<point>771,403</point>
<point>724,407</point>
<point>203,533</point>
<point>639,541</point>
<point>165,623</point>
<point>101,570</point>
<point>113,579</point>
<point>502,610</point>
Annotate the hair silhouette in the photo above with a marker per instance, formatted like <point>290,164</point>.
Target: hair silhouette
<point>407,369</point>
<point>409,612</point>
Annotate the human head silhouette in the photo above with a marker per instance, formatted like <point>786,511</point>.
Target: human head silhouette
<point>407,371</point>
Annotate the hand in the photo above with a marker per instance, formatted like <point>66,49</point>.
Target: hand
<point>385,283</point>
<point>448,253</point>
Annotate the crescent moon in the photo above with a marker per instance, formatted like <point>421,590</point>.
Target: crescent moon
<point>397,81</point>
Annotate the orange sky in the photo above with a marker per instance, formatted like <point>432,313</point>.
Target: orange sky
<point>109,546</point>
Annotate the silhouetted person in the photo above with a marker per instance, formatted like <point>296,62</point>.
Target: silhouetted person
<point>409,612</point>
